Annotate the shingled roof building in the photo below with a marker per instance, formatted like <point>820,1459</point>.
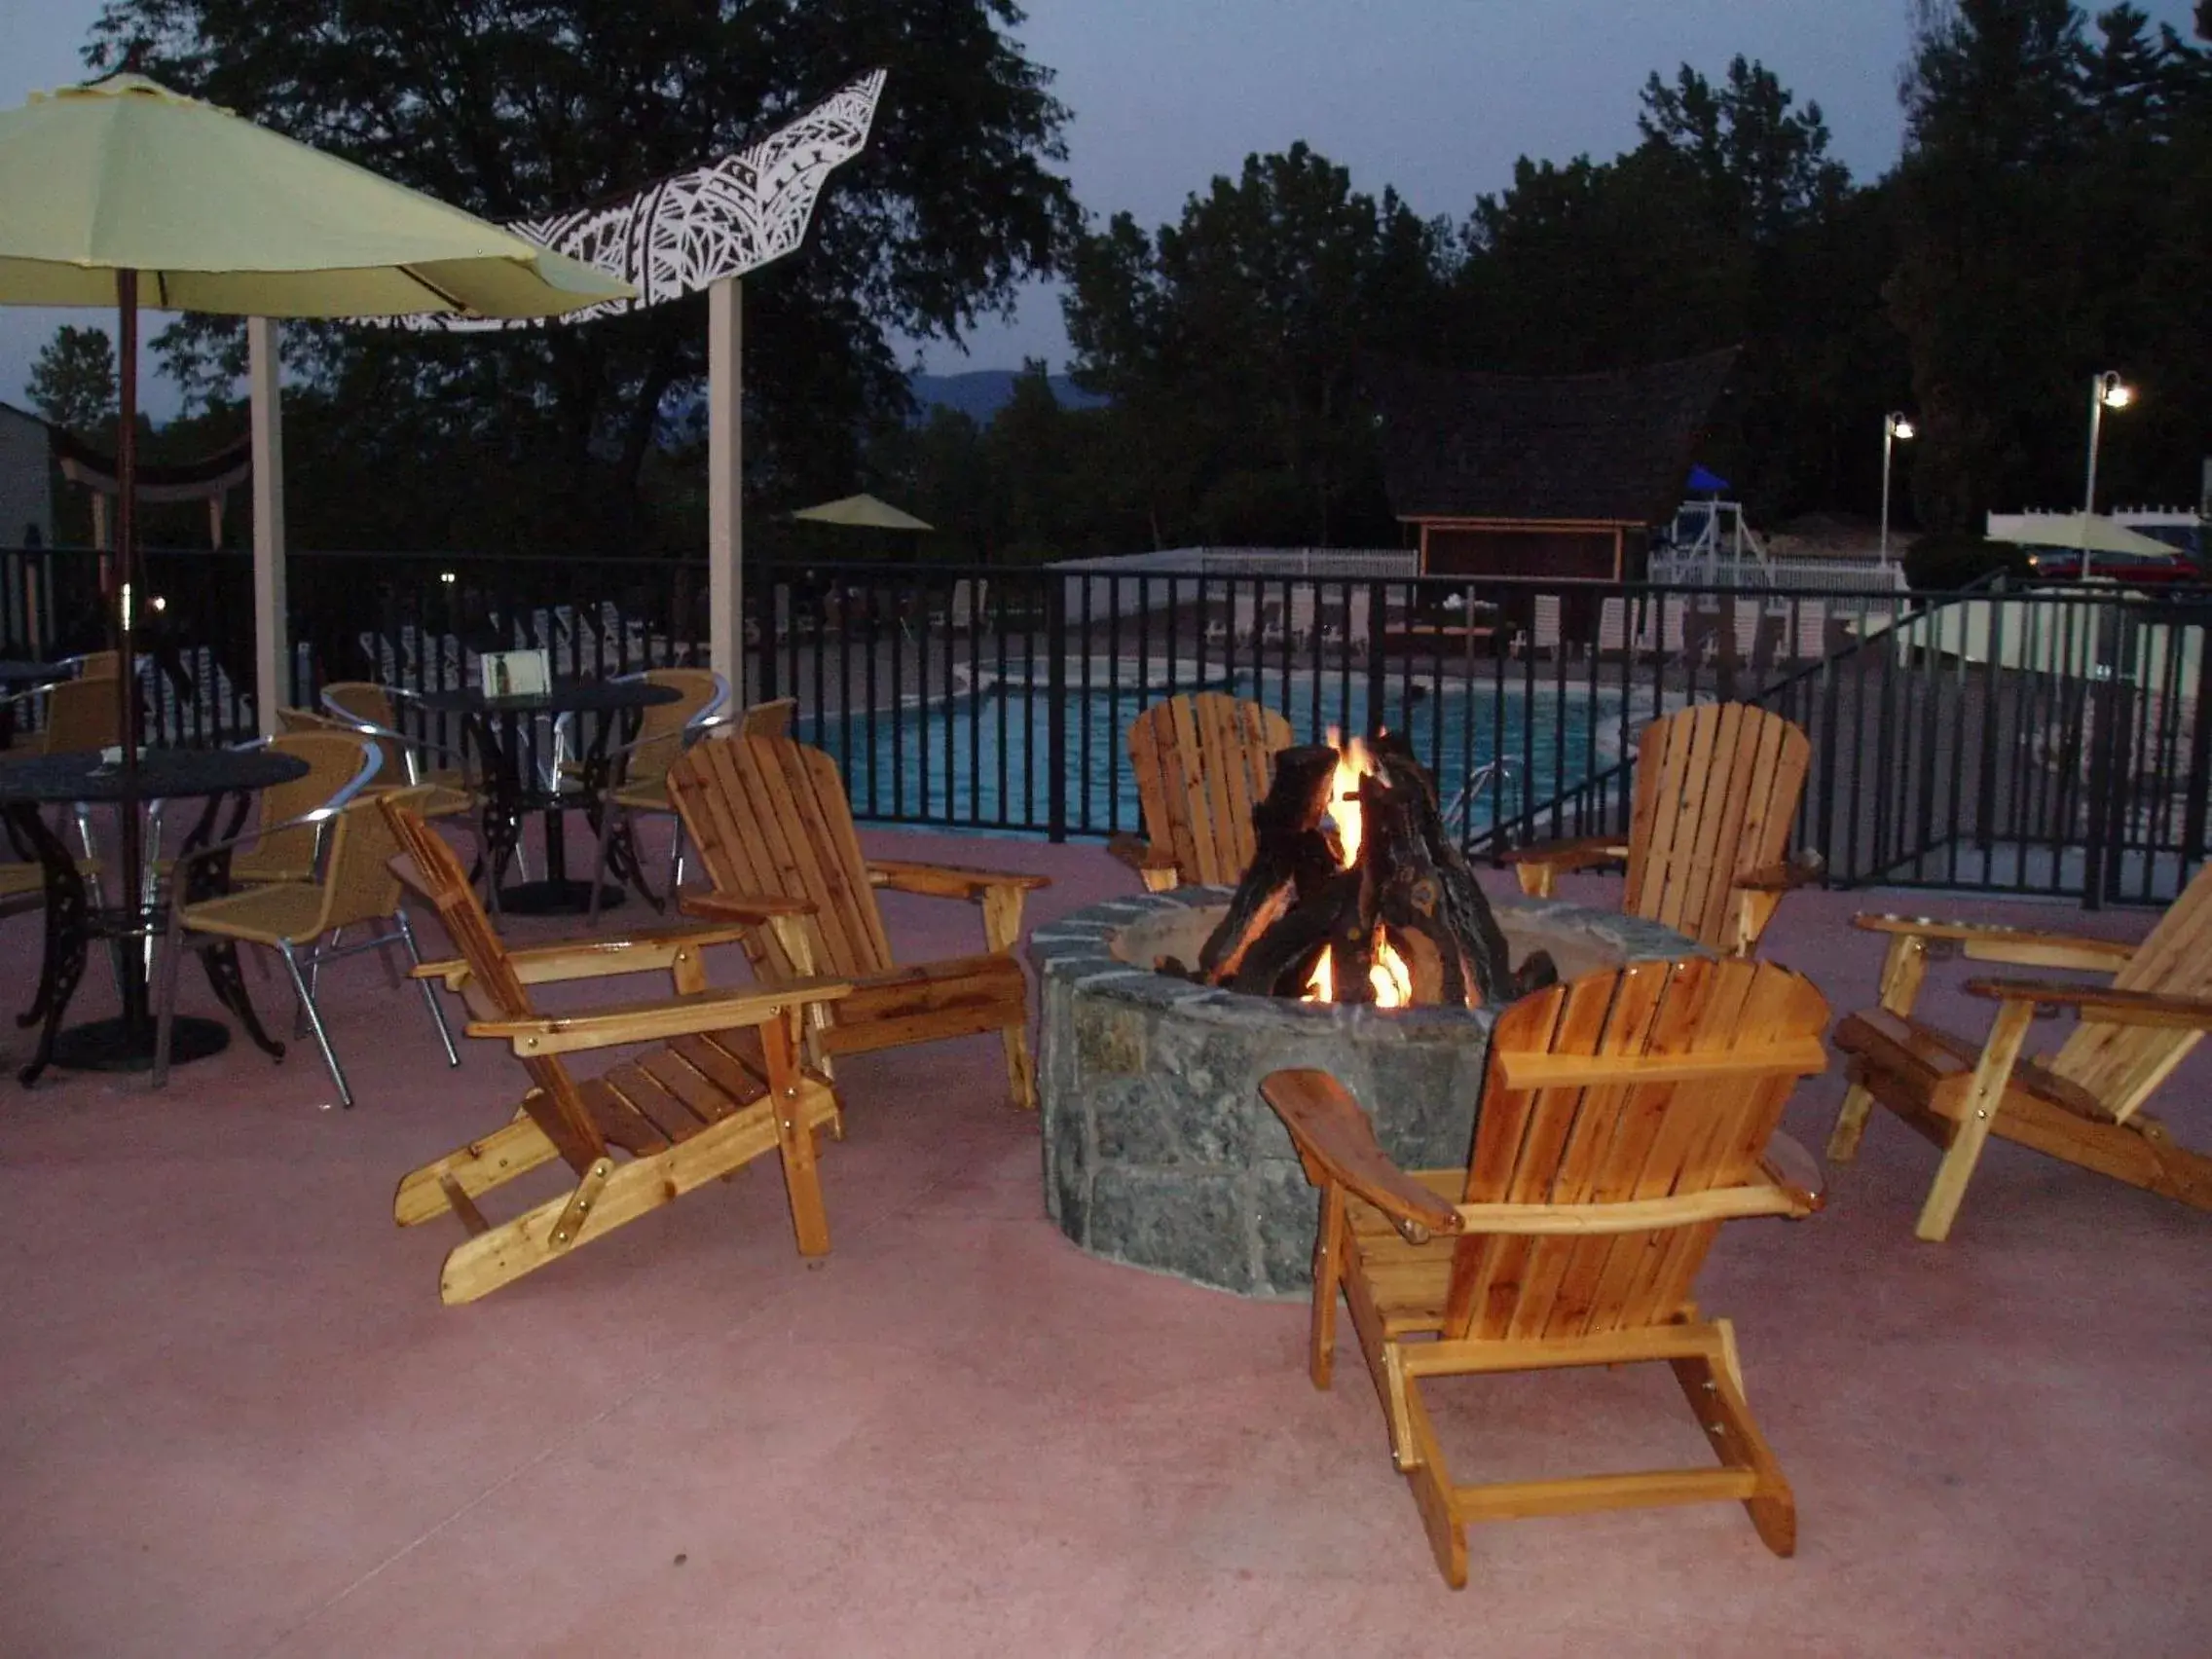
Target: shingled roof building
<point>1541,475</point>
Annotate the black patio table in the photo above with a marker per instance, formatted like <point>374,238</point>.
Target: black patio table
<point>516,786</point>
<point>73,922</point>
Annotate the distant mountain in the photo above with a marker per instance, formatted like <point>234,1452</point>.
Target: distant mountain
<point>980,393</point>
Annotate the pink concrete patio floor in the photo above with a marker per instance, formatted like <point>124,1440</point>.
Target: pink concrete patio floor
<point>236,1421</point>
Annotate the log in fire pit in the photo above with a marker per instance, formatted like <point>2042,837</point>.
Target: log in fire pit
<point>1358,942</point>
<point>1354,893</point>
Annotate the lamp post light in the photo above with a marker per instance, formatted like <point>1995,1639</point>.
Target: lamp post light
<point>1897,429</point>
<point>2106,391</point>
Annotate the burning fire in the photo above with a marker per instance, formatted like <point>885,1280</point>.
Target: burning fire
<point>1391,980</point>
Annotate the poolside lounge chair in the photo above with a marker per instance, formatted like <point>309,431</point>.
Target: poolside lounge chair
<point>1624,1118</point>
<point>723,1086</point>
<point>2082,1104</point>
<point>773,829</point>
<point>1612,626</point>
<point>1812,629</point>
<point>1544,636</point>
<point>1717,788</point>
<point>1201,764</point>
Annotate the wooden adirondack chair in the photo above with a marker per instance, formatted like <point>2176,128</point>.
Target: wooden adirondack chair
<point>1625,1117</point>
<point>773,830</point>
<point>2084,1103</point>
<point>1201,764</point>
<point>724,1087</point>
<point>1717,788</point>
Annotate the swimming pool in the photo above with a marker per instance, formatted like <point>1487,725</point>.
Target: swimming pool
<point>981,758</point>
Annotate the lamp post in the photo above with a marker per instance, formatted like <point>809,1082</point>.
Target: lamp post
<point>2106,391</point>
<point>1897,429</point>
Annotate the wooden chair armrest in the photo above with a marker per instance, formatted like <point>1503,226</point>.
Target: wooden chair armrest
<point>1633,1215</point>
<point>1791,1167</point>
<point>2100,1005</point>
<point>1588,853</point>
<point>1786,876</point>
<point>748,909</point>
<point>590,958</point>
<point>1336,1141</point>
<point>682,1016</point>
<point>1995,941</point>
<point>947,881</point>
<point>1138,853</point>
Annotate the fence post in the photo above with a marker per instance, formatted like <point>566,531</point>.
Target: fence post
<point>772,637</point>
<point>2105,734</point>
<point>1056,707</point>
<point>1377,659</point>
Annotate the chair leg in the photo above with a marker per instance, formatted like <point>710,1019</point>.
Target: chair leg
<point>1328,1275</point>
<point>1021,1075</point>
<point>610,824</point>
<point>675,858</point>
<point>315,1022</point>
<point>164,1002</point>
<point>1850,1124</point>
<point>1432,1486</point>
<point>406,931</point>
<point>1976,1120</point>
<point>1718,1400</point>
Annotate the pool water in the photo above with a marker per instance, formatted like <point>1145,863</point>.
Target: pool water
<point>981,760</point>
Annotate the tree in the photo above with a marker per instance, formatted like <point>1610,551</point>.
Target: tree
<point>2051,205</point>
<point>1233,337</point>
<point>513,108</point>
<point>72,382</point>
<point>1728,223</point>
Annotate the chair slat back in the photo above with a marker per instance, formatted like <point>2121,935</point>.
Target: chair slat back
<point>371,704</point>
<point>661,730</point>
<point>359,882</point>
<point>1717,788</point>
<point>769,818</point>
<point>2122,1065</point>
<point>493,989</point>
<point>335,759</point>
<point>772,718</point>
<point>1201,764</point>
<point>1625,1140</point>
<point>82,715</point>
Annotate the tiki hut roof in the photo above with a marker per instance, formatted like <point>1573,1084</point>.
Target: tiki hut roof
<point>1611,448</point>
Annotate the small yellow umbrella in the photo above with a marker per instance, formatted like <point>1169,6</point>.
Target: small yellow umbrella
<point>862,513</point>
<point>124,191</point>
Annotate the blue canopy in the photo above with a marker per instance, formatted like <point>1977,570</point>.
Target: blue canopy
<point>1707,483</point>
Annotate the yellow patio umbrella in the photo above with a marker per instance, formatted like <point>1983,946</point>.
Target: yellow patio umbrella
<point>863,512</point>
<point>122,191</point>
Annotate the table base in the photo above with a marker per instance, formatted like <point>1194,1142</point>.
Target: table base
<point>121,1045</point>
<point>556,896</point>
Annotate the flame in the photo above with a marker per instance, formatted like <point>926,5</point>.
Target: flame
<point>1390,979</point>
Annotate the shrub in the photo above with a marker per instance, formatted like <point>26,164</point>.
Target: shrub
<point>1954,558</point>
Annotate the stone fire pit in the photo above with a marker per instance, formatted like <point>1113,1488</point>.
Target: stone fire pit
<point>1159,1152</point>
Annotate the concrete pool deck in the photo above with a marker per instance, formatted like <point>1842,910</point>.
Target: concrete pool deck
<point>236,1421</point>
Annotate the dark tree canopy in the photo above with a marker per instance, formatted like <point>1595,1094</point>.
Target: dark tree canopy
<point>2051,210</point>
<point>1230,342</point>
<point>513,108</point>
<point>72,383</point>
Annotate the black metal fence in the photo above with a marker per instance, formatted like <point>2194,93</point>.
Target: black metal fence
<point>2049,743</point>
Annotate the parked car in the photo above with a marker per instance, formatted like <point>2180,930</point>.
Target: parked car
<point>2133,570</point>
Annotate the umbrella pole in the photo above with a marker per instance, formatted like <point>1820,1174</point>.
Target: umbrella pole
<point>127,600</point>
